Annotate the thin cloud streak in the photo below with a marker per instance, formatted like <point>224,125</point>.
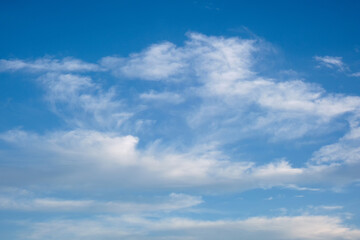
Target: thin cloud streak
<point>331,62</point>
<point>137,227</point>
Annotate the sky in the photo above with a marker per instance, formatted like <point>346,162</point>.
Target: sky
<point>191,120</point>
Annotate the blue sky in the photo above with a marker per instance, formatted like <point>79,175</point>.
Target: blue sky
<point>179,120</point>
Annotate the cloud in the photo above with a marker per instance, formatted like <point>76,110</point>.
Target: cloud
<point>82,102</point>
<point>222,77</point>
<point>285,109</point>
<point>347,149</point>
<point>230,98</point>
<point>96,158</point>
<point>135,227</point>
<point>203,56</point>
<point>159,61</point>
<point>230,101</point>
<point>48,64</point>
<point>357,74</point>
<point>84,159</point>
<point>162,97</point>
<point>30,203</point>
<point>225,100</point>
<point>223,73</point>
<point>331,62</point>
<point>326,208</point>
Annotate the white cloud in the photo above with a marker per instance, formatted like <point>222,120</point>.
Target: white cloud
<point>28,202</point>
<point>292,186</point>
<point>301,227</point>
<point>82,102</point>
<point>96,158</point>
<point>357,74</point>
<point>203,56</point>
<point>162,97</point>
<point>331,62</point>
<point>224,72</point>
<point>283,110</point>
<point>335,210</point>
<point>277,171</point>
<point>78,144</point>
<point>327,208</point>
<point>86,159</point>
<point>234,101</point>
<point>230,100</point>
<point>347,149</point>
<point>48,64</point>
<point>135,227</point>
<point>159,61</point>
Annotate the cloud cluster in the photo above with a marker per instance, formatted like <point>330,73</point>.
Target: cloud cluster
<point>212,90</point>
<point>88,159</point>
<point>228,96</point>
<point>224,73</point>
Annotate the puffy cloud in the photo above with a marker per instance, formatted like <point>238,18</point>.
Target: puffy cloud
<point>159,61</point>
<point>96,157</point>
<point>201,56</point>
<point>85,159</point>
<point>84,145</point>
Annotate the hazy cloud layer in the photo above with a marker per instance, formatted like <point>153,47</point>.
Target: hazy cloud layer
<point>134,227</point>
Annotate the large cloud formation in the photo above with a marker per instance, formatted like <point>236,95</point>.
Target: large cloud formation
<point>211,88</point>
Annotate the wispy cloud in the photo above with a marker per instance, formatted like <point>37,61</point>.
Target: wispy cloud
<point>82,102</point>
<point>331,62</point>
<point>162,97</point>
<point>224,73</point>
<point>97,158</point>
<point>327,207</point>
<point>48,64</point>
<point>345,150</point>
<point>209,89</point>
<point>135,227</point>
<point>230,97</point>
<point>29,203</point>
<point>357,74</point>
<point>158,62</point>
<point>202,55</point>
